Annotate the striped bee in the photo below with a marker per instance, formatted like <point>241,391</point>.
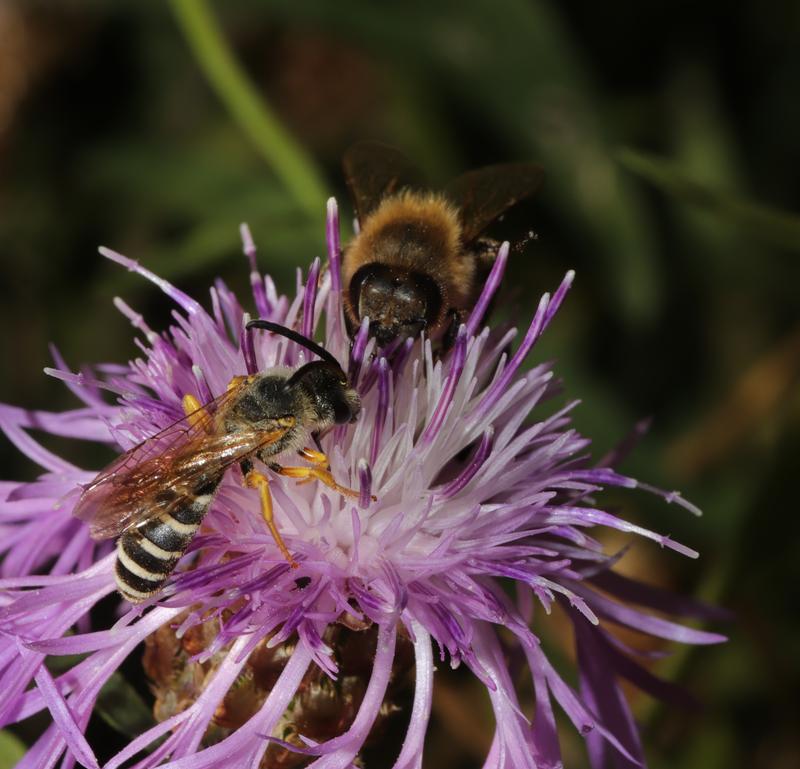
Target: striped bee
<point>155,496</point>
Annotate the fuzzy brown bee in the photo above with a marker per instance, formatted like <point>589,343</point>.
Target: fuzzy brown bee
<point>156,495</point>
<point>420,257</point>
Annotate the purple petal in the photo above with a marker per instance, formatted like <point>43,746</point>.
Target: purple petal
<point>489,289</point>
<point>256,281</point>
<point>340,751</point>
<point>645,623</point>
<point>411,753</point>
<point>65,719</point>
<point>186,302</point>
<point>655,598</point>
<point>334,249</point>
<point>603,695</point>
<point>310,298</point>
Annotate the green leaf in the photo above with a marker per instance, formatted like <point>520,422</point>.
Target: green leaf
<point>120,705</point>
<point>12,749</point>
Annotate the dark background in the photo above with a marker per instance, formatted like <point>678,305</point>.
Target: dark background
<point>669,133</point>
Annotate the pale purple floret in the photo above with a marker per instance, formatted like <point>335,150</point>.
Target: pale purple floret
<point>517,504</point>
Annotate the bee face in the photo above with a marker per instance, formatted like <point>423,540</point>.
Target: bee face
<point>401,285</point>
<point>420,258</point>
<point>325,390</point>
<point>398,302</point>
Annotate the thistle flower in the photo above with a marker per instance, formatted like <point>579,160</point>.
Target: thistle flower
<point>484,513</point>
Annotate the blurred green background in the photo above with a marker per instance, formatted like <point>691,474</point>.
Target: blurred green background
<point>669,133</point>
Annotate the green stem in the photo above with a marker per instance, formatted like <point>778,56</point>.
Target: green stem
<point>286,157</point>
<point>778,228</point>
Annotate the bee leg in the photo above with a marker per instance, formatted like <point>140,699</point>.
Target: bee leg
<point>315,473</point>
<point>317,458</point>
<point>193,409</point>
<point>256,480</point>
<point>236,382</point>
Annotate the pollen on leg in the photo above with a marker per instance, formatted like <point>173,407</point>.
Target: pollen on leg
<point>192,408</point>
<point>238,381</point>
<point>195,413</point>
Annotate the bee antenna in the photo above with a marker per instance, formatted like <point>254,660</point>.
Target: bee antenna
<point>303,341</point>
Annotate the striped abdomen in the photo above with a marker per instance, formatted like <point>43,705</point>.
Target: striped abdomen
<point>147,554</point>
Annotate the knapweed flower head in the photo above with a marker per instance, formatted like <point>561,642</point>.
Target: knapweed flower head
<point>483,516</point>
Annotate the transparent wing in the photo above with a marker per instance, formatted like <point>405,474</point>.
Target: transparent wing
<point>147,480</point>
<point>374,171</point>
<point>485,194</point>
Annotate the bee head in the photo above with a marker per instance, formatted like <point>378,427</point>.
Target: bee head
<point>323,382</point>
<point>326,390</point>
<point>398,302</point>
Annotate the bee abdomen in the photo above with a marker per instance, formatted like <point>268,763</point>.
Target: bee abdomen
<point>147,555</point>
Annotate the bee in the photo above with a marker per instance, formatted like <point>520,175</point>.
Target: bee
<point>420,258</point>
<point>155,496</point>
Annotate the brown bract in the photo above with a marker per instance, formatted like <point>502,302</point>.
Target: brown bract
<point>321,709</point>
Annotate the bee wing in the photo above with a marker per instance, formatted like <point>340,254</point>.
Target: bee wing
<point>374,171</point>
<point>484,194</point>
<point>130,490</point>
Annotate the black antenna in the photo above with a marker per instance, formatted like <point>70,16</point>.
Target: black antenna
<point>303,341</point>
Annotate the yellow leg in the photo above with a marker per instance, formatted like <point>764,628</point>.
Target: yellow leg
<point>316,473</point>
<point>315,457</point>
<point>256,480</point>
<point>193,409</point>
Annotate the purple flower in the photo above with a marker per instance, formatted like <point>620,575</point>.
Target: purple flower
<point>484,513</point>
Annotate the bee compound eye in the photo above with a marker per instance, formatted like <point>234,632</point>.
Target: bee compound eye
<point>371,283</point>
<point>342,413</point>
<point>425,300</point>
